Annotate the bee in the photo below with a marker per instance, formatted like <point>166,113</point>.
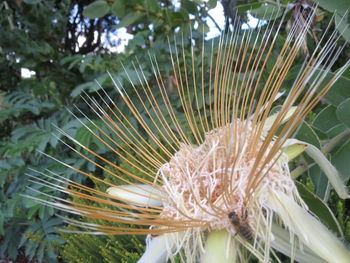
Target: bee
<point>241,225</point>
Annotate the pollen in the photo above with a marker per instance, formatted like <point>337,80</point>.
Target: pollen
<point>207,182</point>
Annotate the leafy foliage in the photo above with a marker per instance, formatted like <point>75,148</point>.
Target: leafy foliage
<point>82,248</point>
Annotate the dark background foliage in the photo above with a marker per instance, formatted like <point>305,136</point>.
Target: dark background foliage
<point>67,45</point>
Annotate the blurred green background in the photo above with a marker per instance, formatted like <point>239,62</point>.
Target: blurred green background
<point>51,52</point>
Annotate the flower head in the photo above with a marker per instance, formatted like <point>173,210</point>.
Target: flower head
<point>214,169</point>
<point>206,183</point>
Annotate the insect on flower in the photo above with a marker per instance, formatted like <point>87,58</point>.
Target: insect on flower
<point>209,178</point>
<point>242,227</point>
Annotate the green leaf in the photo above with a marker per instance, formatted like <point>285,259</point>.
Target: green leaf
<point>85,63</point>
<point>343,112</point>
<point>96,9</point>
<point>319,208</point>
<point>198,2</point>
<point>152,5</point>
<point>40,252</point>
<point>83,135</point>
<point>33,211</point>
<point>334,131</point>
<point>346,73</point>
<point>53,222</point>
<point>29,203</point>
<point>2,220</point>
<point>341,6</point>
<point>79,89</point>
<point>321,135</point>
<point>42,212</point>
<point>341,22</point>
<point>190,7</point>
<point>118,8</point>
<point>129,19</point>
<point>307,134</point>
<point>341,160</point>
<point>319,181</point>
<point>203,27</point>
<point>248,7</point>
<point>212,3</point>
<point>267,12</point>
<point>326,119</point>
<point>31,2</point>
<point>339,91</point>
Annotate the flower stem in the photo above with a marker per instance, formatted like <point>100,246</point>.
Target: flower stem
<point>331,144</point>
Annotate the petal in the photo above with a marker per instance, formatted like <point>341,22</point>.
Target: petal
<point>294,150</point>
<point>140,195</point>
<point>329,170</point>
<point>270,120</point>
<point>283,244</point>
<point>219,247</point>
<point>310,231</point>
<point>157,250</point>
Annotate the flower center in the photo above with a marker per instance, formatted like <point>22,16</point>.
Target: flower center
<point>210,181</point>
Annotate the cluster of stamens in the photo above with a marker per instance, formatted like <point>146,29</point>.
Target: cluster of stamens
<point>207,182</point>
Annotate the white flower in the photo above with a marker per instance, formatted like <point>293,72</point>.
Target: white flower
<point>216,183</point>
